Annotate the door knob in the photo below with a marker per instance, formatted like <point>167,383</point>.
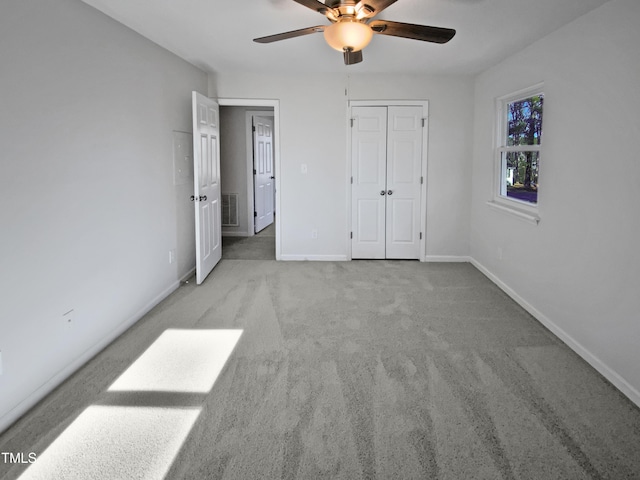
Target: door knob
<point>390,192</point>
<point>193,198</point>
<point>382,192</point>
<point>203,198</point>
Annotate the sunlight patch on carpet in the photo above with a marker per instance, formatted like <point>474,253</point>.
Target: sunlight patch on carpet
<point>186,361</point>
<point>107,442</point>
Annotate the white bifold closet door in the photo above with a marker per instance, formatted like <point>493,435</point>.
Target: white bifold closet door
<point>386,170</point>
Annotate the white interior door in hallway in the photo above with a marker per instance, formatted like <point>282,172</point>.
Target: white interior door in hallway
<point>206,163</point>
<point>387,181</point>
<point>264,178</point>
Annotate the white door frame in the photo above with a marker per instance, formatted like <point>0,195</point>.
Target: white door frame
<point>275,104</point>
<point>249,114</point>
<point>425,144</point>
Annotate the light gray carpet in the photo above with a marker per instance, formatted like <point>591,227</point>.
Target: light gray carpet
<point>364,369</point>
<point>261,246</point>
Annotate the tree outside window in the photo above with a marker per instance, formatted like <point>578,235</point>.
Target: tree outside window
<point>520,141</point>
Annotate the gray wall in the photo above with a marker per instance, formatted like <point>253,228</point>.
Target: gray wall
<point>313,131</point>
<point>578,269</point>
<point>88,209</point>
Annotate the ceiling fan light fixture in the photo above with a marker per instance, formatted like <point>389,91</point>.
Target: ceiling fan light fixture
<point>348,35</point>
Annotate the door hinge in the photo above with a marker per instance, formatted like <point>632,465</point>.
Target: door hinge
<point>351,180</point>
<point>255,214</point>
<point>423,122</point>
<point>421,180</point>
<point>420,235</point>
<point>352,122</point>
<point>253,128</point>
<point>255,171</point>
<point>351,236</point>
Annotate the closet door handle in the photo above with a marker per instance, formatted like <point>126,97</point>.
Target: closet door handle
<point>390,192</point>
<point>382,192</point>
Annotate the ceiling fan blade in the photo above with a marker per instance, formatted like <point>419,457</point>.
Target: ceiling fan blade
<point>351,57</point>
<point>292,34</point>
<point>415,32</point>
<point>371,8</point>
<point>313,5</point>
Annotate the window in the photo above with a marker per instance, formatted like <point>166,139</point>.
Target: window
<point>519,144</point>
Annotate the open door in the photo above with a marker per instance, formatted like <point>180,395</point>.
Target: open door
<point>206,172</point>
<point>263,172</point>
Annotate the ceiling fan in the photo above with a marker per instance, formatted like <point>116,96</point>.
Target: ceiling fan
<point>352,27</point>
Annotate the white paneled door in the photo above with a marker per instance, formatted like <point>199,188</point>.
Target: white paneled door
<point>386,156</point>
<point>404,168</point>
<point>369,173</point>
<point>206,160</point>
<point>264,194</point>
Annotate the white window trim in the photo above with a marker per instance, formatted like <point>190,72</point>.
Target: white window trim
<point>521,209</point>
<point>510,210</point>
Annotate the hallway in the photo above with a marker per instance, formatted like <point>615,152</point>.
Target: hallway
<point>261,246</point>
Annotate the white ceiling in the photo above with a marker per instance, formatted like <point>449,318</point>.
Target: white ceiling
<point>217,35</point>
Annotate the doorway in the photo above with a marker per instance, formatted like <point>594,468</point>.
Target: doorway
<point>240,190</point>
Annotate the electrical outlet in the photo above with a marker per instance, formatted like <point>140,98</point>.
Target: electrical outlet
<point>69,318</point>
<point>314,233</point>
<point>303,168</point>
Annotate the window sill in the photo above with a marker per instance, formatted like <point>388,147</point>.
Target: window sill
<point>528,217</point>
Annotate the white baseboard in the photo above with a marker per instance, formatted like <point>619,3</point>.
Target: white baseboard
<point>188,275</point>
<point>234,234</point>
<point>447,258</point>
<point>344,258</point>
<point>29,402</point>
<point>313,258</point>
<point>620,383</point>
